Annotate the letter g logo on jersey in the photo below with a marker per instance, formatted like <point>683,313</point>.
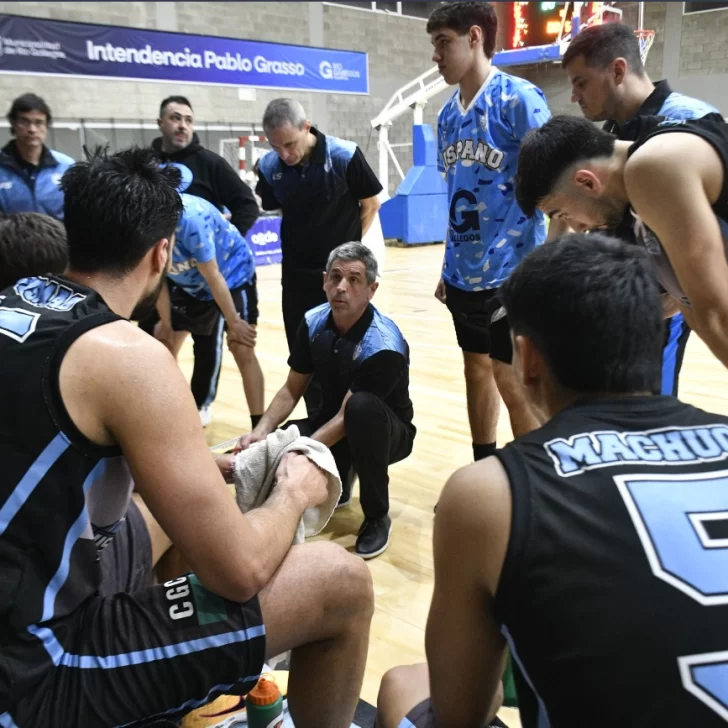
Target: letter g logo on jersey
<point>326,70</point>
<point>464,221</point>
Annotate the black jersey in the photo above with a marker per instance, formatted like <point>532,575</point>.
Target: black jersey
<point>614,590</point>
<point>715,131</point>
<point>61,497</point>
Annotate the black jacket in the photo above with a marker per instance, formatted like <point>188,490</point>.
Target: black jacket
<point>216,181</point>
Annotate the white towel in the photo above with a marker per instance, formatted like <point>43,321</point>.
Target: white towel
<point>254,475</point>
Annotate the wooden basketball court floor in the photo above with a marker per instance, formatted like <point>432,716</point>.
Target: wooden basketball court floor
<point>403,575</point>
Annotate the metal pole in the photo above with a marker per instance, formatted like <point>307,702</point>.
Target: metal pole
<point>419,116</point>
<point>384,157</point>
<point>641,18</point>
<point>576,19</point>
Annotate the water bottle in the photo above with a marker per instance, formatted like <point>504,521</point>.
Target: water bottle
<point>265,705</point>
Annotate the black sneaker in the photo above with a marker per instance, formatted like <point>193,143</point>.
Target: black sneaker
<point>347,489</point>
<point>344,500</point>
<point>373,537</point>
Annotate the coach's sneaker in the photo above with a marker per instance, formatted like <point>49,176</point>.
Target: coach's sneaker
<point>373,537</point>
<point>344,500</point>
<point>347,489</point>
<point>205,416</point>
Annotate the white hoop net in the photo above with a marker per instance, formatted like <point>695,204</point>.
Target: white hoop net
<point>646,38</point>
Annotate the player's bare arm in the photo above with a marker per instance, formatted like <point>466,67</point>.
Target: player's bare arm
<point>672,186</point>
<point>670,306</point>
<point>279,409</point>
<point>465,649</point>
<point>239,331</point>
<point>122,387</point>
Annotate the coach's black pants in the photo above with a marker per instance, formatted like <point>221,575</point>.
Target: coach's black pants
<point>375,438</point>
<point>302,290</point>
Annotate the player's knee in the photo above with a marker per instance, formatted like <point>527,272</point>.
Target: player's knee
<point>350,592</point>
<point>477,368</point>
<point>394,683</point>
<point>243,354</point>
<point>246,354</point>
<point>401,689</point>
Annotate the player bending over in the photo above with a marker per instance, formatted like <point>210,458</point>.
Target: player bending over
<point>90,401</point>
<point>670,186</point>
<point>212,288</point>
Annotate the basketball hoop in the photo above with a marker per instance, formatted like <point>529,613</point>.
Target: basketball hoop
<point>646,38</point>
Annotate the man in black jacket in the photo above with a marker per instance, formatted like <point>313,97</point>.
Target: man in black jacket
<point>217,182</point>
<point>213,178</point>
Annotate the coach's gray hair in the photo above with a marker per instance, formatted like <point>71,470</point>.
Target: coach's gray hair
<point>355,252</point>
<point>280,112</point>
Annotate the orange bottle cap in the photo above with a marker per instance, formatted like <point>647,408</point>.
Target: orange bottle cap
<point>266,692</point>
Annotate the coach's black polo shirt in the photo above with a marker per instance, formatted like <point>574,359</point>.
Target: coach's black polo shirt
<point>319,199</point>
<point>373,356</point>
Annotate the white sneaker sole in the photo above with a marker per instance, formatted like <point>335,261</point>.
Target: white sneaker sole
<point>366,557</point>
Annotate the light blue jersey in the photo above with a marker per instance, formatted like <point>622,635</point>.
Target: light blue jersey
<point>478,148</point>
<point>203,233</point>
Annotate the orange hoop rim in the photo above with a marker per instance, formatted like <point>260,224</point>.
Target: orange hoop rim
<point>644,33</point>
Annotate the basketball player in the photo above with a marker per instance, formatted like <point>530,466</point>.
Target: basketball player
<point>670,185</point>
<point>216,181</point>
<point>610,84</point>
<point>212,273</point>
<point>32,244</point>
<point>88,400</point>
<point>479,135</point>
<point>593,547</point>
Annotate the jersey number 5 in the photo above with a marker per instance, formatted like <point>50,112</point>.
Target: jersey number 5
<point>682,522</point>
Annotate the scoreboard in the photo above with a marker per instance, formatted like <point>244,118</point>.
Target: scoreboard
<point>540,23</point>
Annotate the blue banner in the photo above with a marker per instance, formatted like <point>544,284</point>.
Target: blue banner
<point>58,48</point>
<point>265,240</point>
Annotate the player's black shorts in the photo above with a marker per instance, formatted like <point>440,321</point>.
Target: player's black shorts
<point>470,312</point>
<point>201,317</point>
<point>422,717</point>
<point>163,651</point>
<point>501,345</point>
<point>126,563</point>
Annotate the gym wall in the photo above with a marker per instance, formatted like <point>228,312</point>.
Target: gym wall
<point>689,50</point>
<point>398,48</point>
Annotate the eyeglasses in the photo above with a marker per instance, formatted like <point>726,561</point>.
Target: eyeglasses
<point>28,123</point>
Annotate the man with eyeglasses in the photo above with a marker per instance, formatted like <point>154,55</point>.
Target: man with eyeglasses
<point>30,173</point>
